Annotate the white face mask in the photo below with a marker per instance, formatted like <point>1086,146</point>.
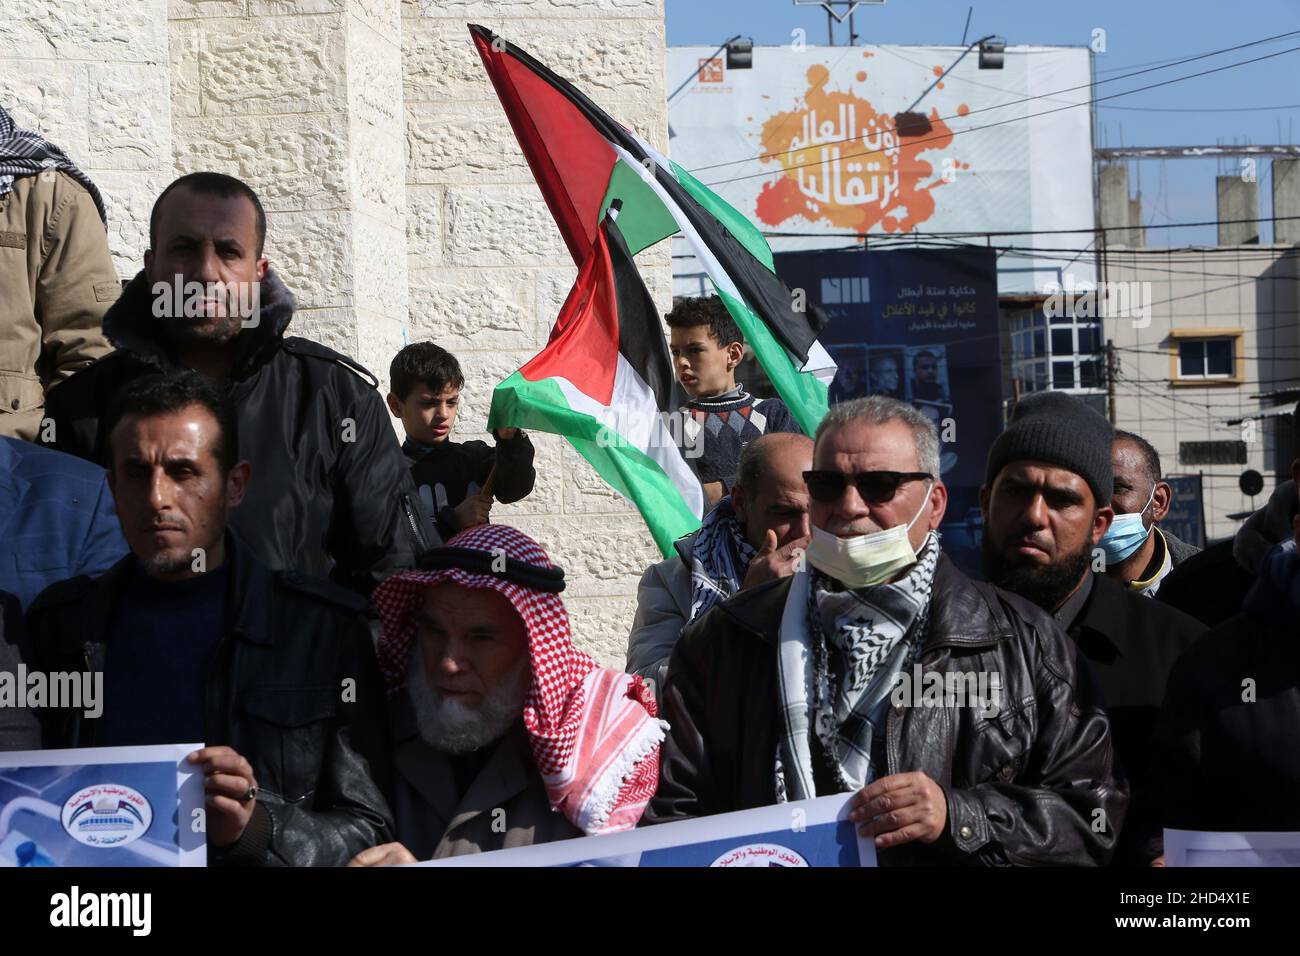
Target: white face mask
<point>865,559</point>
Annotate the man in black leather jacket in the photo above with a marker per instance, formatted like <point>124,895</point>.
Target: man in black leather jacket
<point>1024,775</point>
<point>198,641</point>
<point>333,496</point>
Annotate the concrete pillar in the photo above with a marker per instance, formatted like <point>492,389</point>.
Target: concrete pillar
<point>1137,233</point>
<point>1286,199</point>
<point>91,77</point>
<point>1238,200</point>
<point>1115,208</point>
<point>302,99</point>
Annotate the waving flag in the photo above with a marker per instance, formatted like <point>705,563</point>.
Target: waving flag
<point>587,164</point>
<point>605,382</point>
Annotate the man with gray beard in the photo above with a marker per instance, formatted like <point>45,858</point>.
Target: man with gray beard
<point>783,692</point>
<point>487,698</point>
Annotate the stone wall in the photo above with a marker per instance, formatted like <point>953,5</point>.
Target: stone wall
<point>489,271</point>
<point>92,77</point>
<point>399,207</point>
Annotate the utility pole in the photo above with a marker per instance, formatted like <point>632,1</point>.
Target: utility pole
<point>1111,368</point>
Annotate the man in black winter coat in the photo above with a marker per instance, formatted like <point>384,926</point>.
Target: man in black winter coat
<point>1047,506</point>
<point>1231,716</point>
<point>194,640</point>
<point>333,496</point>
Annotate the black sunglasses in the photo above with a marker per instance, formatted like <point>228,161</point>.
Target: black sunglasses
<point>875,487</point>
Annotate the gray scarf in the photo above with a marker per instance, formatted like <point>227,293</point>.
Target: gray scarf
<point>840,652</point>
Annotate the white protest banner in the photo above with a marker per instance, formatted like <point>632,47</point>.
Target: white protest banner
<point>102,806</point>
<point>803,834</point>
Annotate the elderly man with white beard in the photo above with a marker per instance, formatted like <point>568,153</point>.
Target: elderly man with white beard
<point>488,697</point>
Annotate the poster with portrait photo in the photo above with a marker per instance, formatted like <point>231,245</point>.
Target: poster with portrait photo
<point>927,374</point>
<point>907,305</point>
<point>886,370</point>
<point>850,380</point>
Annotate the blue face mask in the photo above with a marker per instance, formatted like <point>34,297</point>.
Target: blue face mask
<point>1126,534</point>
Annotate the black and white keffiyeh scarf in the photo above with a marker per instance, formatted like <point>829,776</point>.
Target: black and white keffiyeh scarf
<point>24,153</point>
<point>720,557</point>
<point>840,652</point>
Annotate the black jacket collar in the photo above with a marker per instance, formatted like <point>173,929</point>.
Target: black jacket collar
<point>1106,612</point>
<point>960,609</point>
<point>249,596</point>
<point>130,324</point>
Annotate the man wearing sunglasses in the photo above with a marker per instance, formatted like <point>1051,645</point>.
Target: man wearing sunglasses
<point>1047,508</point>
<point>811,685</point>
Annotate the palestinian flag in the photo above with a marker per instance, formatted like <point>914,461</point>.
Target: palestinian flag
<point>586,164</point>
<point>605,382</point>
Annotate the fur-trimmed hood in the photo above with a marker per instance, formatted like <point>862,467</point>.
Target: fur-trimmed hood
<point>131,326</point>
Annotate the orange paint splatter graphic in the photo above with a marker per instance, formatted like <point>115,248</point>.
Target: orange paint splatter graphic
<point>845,164</point>
<point>963,109</point>
<point>862,75</point>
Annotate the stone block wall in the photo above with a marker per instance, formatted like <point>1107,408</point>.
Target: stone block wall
<point>92,76</point>
<point>489,271</point>
<point>399,207</point>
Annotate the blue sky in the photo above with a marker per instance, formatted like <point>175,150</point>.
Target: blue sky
<point>1201,111</point>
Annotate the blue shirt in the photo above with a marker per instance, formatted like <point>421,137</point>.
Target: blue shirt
<point>160,638</point>
<point>56,519</point>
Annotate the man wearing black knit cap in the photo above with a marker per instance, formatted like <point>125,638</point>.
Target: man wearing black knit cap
<point>1046,503</point>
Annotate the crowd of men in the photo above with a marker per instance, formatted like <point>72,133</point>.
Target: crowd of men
<point>217,517</point>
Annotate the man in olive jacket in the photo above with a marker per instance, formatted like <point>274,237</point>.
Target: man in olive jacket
<point>56,275</point>
<point>813,684</point>
<point>194,640</point>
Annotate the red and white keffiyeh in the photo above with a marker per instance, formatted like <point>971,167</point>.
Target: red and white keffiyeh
<point>593,730</point>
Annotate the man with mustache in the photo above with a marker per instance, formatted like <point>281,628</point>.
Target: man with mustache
<point>785,691</point>
<point>334,496</point>
<point>199,641</point>
<point>1046,504</point>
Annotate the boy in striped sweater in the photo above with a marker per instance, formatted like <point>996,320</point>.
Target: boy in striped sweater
<point>721,417</point>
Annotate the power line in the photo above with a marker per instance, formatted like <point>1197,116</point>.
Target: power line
<point>1042,96</point>
<point>1039,96</point>
<point>1015,119</point>
<point>1201,109</point>
<point>1019,232</point>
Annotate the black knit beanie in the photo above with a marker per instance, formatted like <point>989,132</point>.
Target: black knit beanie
<point>1061,430</point>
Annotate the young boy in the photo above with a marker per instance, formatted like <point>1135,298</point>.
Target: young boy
<point>426,381</point>
<point>706,347</point>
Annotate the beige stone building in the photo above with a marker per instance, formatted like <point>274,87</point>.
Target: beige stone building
<point>1205,377</point>
<point>399,207</point>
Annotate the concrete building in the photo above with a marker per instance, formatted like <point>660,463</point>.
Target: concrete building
<point>1195,373</point>
<point>399,207</point>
